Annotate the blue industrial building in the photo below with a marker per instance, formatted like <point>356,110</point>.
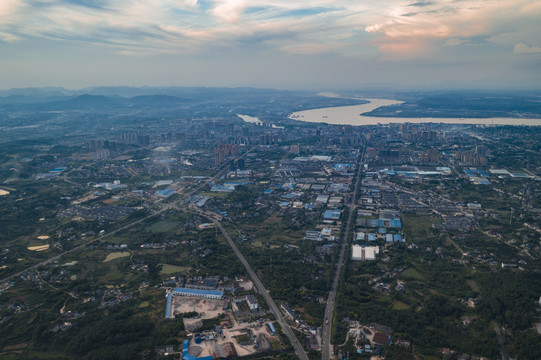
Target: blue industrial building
<point>208,294</point>
<point>332,214</point>
<point>164,193</point>
<point>272,330</point>
<point>168,306</point>
<point>187,356</point>
<point>395,223</point>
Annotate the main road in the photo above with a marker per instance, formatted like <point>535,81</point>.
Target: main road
<point>301,354</point>
<point>329,308</point>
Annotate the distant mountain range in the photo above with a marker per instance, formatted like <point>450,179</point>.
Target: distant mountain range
<point>86,102</point>
<point>173,100</point>
<point>130,92</point>
<point>104,97</point>
<point>164,100</point>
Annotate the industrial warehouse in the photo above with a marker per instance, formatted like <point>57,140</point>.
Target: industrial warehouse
<point>207,294</point>
<point>204,294</point>
<point>360,252</point>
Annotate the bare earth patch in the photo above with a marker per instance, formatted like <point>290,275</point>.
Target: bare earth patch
<point>116,255</point>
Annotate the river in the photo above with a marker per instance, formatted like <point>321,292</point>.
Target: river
<point>254,120</point>
<point>351,115</point>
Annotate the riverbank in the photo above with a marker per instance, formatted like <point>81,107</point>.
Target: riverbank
<point>352,115</point>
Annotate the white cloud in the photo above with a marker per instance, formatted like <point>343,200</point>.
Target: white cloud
<point>521,48</point>
<point>401,28</point>
<point>454,42</point>
<point>191,3</point>
<point>442,22</point>
<point>7,37</point>
<point>8,9</point>
<point>230,10</point>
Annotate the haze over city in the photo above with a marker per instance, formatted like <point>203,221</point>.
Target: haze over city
<point>270,179</point>
<point>271,43</point>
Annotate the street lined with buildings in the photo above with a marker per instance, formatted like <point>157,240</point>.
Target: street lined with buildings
<point>329,308</point>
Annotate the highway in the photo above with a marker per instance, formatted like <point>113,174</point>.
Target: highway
<point>301,354</point>
<point>329,308</point>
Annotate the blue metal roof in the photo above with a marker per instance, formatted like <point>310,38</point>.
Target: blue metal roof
<point>166,192</point>
<point>395,223</point>
<point>186,356</point>
<point>482,173</point>
<point>199,292</point>
<point>332,214</point>
<point>290,196</point>
<point>168,307</point>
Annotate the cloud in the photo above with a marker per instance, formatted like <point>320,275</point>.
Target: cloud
<point>93,4</point>
<point>182,3</point>
<point>444,23</point>
<point>181,25</point>
<point>7,37</point>
<point>422,3</point>
<point>230,10</point>
<point>455,42</point>
<point>398,29</point>
<point>9,8</point>
<point>521,49</point>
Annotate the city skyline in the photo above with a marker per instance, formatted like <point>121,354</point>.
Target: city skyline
<point>270,43</point>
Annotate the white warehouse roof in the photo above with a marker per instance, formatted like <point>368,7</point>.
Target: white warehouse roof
<point>359,252</point>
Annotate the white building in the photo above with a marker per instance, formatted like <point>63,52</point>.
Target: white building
<point>252,302</point>
<point>362,253</point>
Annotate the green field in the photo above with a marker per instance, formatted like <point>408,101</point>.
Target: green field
<point>412,273</point>
<point>171,269</point>
<point>419,229</point>
<point>399,305</point>
<point>144,304</point>
<point>162,226</point>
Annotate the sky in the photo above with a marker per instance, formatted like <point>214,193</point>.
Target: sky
<point>283,44</point>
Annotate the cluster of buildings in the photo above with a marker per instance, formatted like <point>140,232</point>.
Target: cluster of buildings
<point>478,156</point>
<point>371,339</point>
<point>101,149</point>
<point>373,232</point>
<point>223,151</point>
<point>364,252</point>
<point>102,213</point>
<point>52,174</point>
